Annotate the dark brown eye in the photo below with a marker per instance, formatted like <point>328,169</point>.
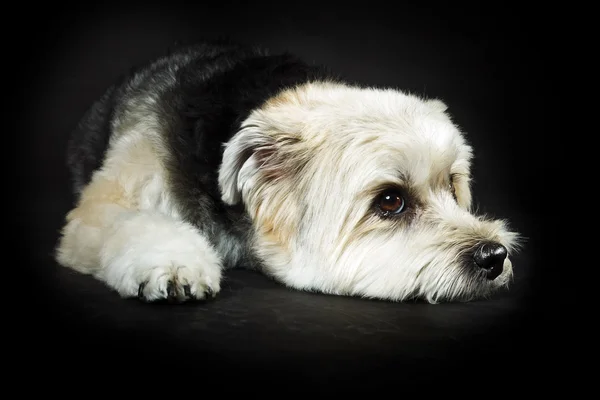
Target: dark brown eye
<point>391,202</point>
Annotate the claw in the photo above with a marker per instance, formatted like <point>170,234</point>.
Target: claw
<point>209,292</point>
<point>187,291</point>
<point>140,293</point>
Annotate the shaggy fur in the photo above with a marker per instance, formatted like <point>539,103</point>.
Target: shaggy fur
<point>218,156</point>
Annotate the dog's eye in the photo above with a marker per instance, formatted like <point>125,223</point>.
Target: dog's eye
<point>391,202</point>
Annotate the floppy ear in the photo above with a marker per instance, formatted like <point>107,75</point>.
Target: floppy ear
<point>242,158</point>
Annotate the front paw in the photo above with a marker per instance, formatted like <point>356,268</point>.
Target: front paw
<point>153,257</point>
<point>179,283</point>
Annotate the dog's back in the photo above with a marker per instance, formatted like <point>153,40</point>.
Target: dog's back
<point>90,138</point>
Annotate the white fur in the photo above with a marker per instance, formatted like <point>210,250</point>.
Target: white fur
<point>151,247</point>
<point>335,144</point>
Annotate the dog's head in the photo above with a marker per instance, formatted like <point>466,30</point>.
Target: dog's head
<point>364,192</point>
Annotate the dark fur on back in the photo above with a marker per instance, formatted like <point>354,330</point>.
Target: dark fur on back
<point>202,94</point>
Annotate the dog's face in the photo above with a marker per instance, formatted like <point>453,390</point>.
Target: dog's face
<point>364,192</point>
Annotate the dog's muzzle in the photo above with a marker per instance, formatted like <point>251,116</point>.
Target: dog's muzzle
<point>490,257</point>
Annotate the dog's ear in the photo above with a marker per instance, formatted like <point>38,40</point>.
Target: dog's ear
<point>437,105</point>
<point>253,157</point>
<point>241,159</point>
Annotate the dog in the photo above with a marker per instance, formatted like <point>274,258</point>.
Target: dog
<point>221,155</point>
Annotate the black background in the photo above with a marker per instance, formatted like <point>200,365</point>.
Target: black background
<point>484,63</point>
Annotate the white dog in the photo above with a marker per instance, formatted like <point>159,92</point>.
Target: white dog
<point>219,156</point>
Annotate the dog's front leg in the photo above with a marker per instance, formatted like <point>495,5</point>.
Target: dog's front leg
<point>120,234</point>
<point>140,253</point>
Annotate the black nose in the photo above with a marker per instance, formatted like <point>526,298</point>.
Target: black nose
<point>490,257</point>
